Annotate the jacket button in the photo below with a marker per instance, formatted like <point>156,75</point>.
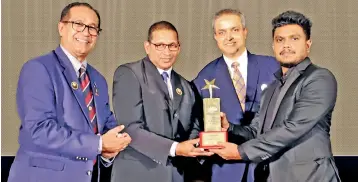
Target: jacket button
<point>89,173</point>
<point>176,115</point>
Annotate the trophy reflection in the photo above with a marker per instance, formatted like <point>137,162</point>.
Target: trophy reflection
<point>212,133</point>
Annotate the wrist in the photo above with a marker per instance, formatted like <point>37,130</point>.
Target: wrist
<point>177,150</point>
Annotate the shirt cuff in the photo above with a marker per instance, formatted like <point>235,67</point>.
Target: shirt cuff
<point>173,149</point>
<point>100,145</point>
<point>107,162</point>
<point>242,154</point>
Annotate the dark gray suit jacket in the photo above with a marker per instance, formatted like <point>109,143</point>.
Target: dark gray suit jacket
<point>297,145</point>
<point>141,102</point>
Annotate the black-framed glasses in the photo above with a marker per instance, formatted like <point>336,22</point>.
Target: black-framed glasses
<point>171,47</point>
<point>80,27</point>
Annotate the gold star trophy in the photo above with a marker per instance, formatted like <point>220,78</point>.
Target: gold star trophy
<point>212,133</point>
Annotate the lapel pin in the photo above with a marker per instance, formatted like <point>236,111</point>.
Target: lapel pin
<point>96,92</point>
<point>179,92</point>
<point>263,87</point>
<point>95,89</point>
<point>74,85</point>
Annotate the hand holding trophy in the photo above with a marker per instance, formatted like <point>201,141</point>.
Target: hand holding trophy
<point>212,134</point>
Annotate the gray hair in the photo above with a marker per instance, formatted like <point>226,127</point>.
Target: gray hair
<point>229,12</point>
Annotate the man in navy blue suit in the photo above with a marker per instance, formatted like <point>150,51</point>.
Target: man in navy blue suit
<point>241,77</point>
<point>62,101</point>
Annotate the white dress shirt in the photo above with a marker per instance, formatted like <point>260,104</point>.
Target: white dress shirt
<point>75,63</point>
<point>169,83</point>
<point>243,61</point>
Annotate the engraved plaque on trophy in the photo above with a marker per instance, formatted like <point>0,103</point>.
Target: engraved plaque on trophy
<point>212,133</point>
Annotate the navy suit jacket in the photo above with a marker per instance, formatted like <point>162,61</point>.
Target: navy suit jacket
<point>260,72</point>
<point>56,139</point>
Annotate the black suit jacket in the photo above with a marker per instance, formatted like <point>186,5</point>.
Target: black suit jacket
<point>297,144</point>
<point>154,121</point>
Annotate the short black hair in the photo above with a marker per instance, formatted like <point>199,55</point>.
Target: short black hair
<point>292,18</point>
<point>161,25</point>
<point>67,9</point>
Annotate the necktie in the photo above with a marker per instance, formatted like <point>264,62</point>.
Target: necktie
<point>165,77</point>
<point>87,93</point>
<point>239,84</point>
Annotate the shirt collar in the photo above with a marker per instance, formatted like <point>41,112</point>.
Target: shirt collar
<point>242,60</point>
<point>75,63</point>
<point>169,71</point>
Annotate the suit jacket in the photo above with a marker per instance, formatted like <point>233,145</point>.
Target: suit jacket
<point>141,102</point>
<point>297,145</point>
<point>56,139</point>
<point>260,72</point>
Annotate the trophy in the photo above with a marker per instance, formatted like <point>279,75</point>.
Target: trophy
<point>212,133</point>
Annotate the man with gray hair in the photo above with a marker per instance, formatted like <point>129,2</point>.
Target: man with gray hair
<point>241,77</point>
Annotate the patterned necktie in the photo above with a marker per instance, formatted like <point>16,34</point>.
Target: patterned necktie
<point>239,84</point>
<point>87,93</point>
<point>165,77</point>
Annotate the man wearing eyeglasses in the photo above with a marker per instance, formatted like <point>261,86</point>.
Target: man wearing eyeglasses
<point>158,108</point>
<point>62,101</point>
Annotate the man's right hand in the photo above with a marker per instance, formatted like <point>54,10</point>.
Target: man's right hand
<point>113,142</point>
<point>187,149</point>
<point>224,122</point>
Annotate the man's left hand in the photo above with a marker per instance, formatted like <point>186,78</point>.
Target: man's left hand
<point>228,151</point>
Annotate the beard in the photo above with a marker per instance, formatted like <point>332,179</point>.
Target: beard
<point>288,65</point>
<point>288,62</point>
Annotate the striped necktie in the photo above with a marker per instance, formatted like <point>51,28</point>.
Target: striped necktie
<point>239,84</point>
<point>165,77</point>
<point>87,93</point>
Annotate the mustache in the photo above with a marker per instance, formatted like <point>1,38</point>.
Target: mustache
<point>287,51</point>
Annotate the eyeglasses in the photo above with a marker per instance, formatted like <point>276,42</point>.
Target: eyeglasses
<point>171,47</point>
<point>80,27</point>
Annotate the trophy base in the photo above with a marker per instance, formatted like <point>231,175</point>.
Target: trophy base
<point>210,139</point>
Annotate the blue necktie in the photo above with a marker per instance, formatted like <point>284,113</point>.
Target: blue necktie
<point>165,77</point>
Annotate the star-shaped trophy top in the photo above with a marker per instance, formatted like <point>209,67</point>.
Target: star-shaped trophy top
<point>210,85</point>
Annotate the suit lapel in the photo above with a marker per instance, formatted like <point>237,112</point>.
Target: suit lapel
<point>252,81</point>
<point>296,72</point>
<point>177,90</point>
<point>72,81</point>
<point>155,81</point>
<point>265,100</point>
<point>177,98</point>
<point>156,86</point>
<point>95,93</point>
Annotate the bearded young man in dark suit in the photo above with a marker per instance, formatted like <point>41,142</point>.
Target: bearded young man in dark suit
<point>290,136</point>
